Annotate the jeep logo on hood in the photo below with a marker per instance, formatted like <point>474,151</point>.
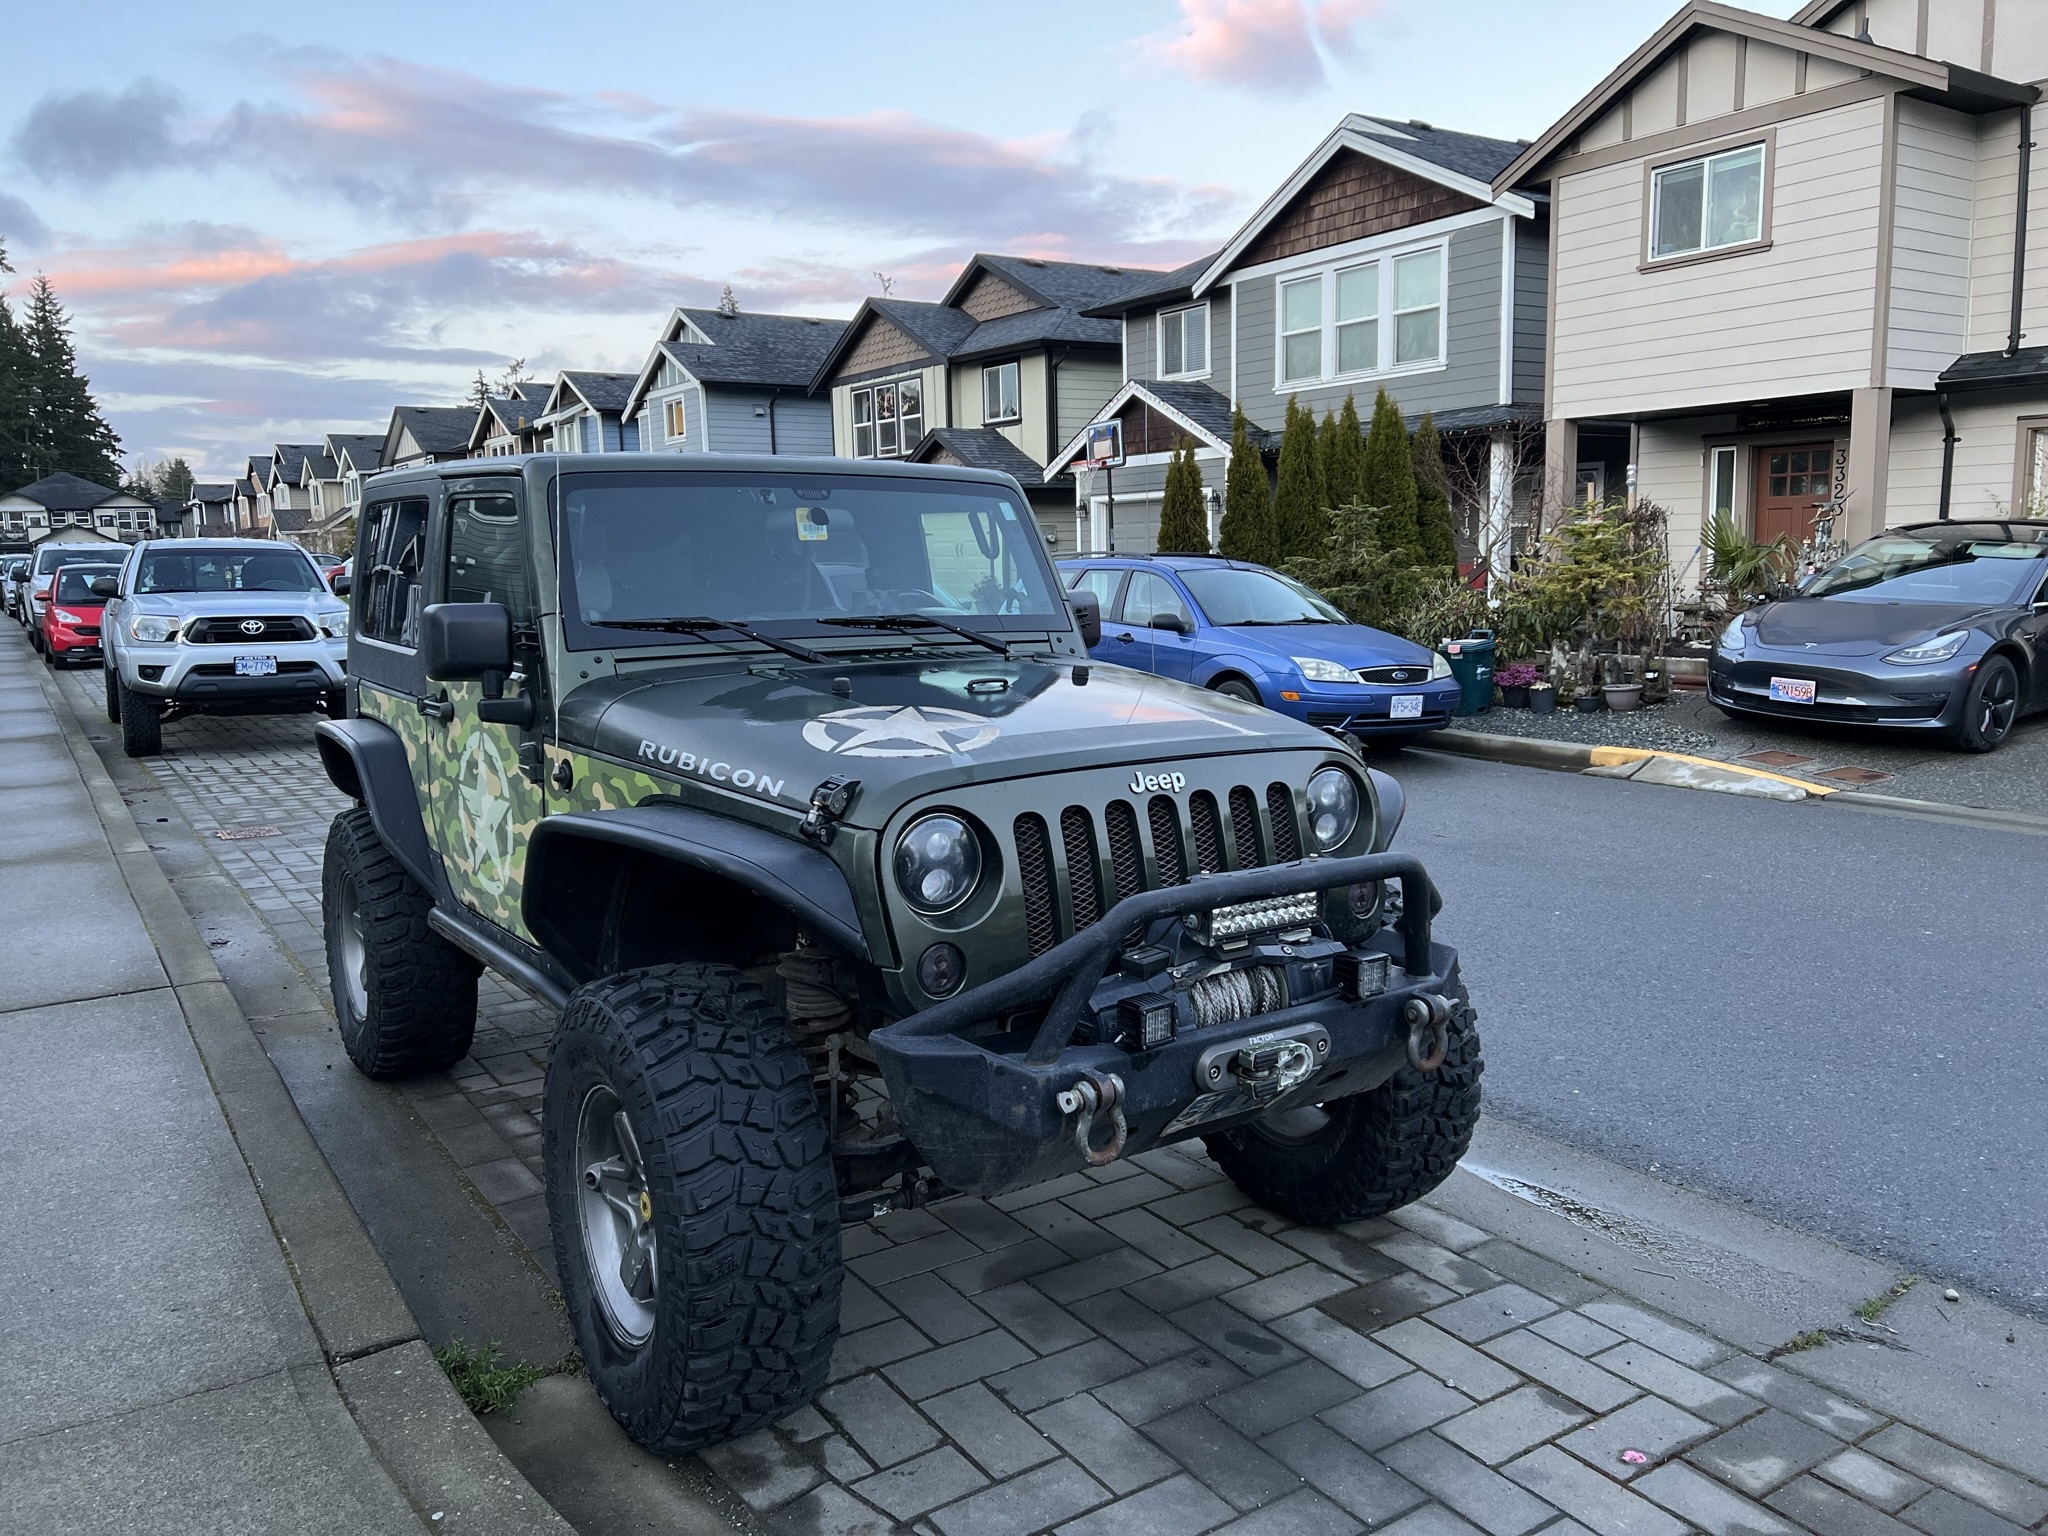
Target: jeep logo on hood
<point>1153,783</point>
<point>907,730</point>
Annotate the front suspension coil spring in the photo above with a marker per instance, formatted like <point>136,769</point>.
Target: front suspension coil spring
<point>817,1011</point>
<point>1235,995</point>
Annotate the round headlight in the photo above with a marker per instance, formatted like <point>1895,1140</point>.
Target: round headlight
<point>938,863</point>
<point>150,628</point>
<point>1332,808</point>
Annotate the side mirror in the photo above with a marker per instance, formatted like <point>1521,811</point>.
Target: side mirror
<point>340,585</point>
<point>1172,621</point>
<point>106,586</point>
<point>1778,591</point>
<point>465,640</point>
<point>1088,614</point>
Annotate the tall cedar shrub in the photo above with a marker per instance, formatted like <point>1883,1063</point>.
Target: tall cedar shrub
<point>1344,457</point>
<point>1183,520</point>
<point>1433,498</point>
<point>1300,505</point>
<point>1247,531</point>
<point>1388,481</point>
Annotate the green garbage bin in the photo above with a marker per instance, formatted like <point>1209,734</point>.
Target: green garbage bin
<point>1472,665</point>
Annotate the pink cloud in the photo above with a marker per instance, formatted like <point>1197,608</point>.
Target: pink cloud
<point>1263,45</point>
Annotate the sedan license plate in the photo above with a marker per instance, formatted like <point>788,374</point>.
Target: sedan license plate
<point>1792,690</point>
<point>1406,706</point>
<point>255,666</point>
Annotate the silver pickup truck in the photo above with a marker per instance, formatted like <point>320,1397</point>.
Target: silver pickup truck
<point>218,627</point>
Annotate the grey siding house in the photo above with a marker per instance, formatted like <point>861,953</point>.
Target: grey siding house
<point>586,413</point>
<point>727,381</point>
<point>1386,260</point>
<point>510,423</point>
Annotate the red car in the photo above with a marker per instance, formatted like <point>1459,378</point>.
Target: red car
<point>71,616</point>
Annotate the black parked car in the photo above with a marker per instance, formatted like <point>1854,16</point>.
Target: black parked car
<point>1936,627</point>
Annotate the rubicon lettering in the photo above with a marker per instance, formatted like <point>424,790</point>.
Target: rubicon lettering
<point>705,768</point>
<point>1153,783</point>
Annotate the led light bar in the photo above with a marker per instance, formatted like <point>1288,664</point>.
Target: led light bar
<point>1274,915</point>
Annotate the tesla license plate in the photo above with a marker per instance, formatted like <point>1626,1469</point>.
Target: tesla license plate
<point>1406,706</point>
<point>255,666</point>
<point>1792,690</point>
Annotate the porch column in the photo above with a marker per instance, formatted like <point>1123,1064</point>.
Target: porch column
<point>1500,493</point>
<point>1560,464</point>
<point>1870,454</point>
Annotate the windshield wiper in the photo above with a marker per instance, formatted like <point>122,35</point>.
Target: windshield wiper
<point>697,626</point>
<point>1280,623</point>
<point>903,621</point>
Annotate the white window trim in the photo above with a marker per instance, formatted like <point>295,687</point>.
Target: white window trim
<point>1208,341</point>
<point>1653,257</point>
<point>1002,421</point>
<point>903,449</point>
<point>675,408</point>
<point>1327,271</point>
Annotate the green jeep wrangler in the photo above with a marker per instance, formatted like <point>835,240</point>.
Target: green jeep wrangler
<point>790,784</point>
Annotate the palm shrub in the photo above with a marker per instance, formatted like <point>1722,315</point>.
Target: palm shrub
<point>1247,531</point>
<point>1183,520</point>
<point>1740,571</point>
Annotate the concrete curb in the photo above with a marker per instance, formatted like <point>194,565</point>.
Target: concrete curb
<point>371,1341</point>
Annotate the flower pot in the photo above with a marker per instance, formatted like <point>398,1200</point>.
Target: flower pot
<point>1623,697</point>
<point>1590,703</point>
<point>1542,700</point>
<point>1514,698</point>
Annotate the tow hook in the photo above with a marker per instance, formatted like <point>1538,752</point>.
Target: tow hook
<point>1429,1031</point>
<point>1097,1093</point>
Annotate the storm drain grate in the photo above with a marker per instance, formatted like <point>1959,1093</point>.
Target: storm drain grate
<point>1774,759</point>
<point>240,834</point>
<point>1852,775</point>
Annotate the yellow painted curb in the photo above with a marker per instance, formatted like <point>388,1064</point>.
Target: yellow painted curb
<point>1609,757</point>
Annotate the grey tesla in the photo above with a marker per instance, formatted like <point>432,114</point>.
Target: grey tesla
<point>1936,627</point>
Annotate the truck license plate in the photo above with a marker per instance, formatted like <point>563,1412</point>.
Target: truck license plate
<point>1792,690</point>
<point>255,666</point>
<point>1406,706</point>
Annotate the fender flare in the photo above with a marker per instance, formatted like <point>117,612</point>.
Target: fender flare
<point>365,760</point>
<point>1393,803</point>
<point>801,880</point>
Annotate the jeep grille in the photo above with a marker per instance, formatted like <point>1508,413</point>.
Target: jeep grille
<point>1101,860</point>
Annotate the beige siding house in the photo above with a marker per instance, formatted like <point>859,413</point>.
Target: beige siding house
<point>1782,254</point>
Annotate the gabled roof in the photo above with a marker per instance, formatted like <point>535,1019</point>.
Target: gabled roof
<point>1449,159</point>
<point>982,448</point>
<point>436,429</point>
<point>288,459</point>
<point>742,350</point>
<point>256,469</point>
<point>292,519</point>
<point>212,492</point>
<point>318,466</point>
<point>605,393</point>
<point>934,327</point>
<point>1055,284</point>
<point>1201,411</point>
<point>1930,79</point>
<point>360,451</point>
<point>66,492</point>
<point>1157,288</point>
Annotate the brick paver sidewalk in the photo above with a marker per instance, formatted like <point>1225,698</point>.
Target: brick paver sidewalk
<point>1140,1349</point>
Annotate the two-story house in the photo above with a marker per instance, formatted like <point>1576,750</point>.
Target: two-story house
<point>1001,373</point>
<point>209,512</point>
<point>291,497</point>
<point>726,380</point>
<point>252,498</point>
<point>1386,259</point>
<point>1784,274</point>
<point>64,506</point>
<point>586,413</point>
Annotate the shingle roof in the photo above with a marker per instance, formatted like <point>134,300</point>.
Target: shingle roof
<point>290,458</point>
<point>436,428</point>
<point>258,469</point>
<point>365,450</point>
<point>983,448</point>
<point>212,491</point>
<point>1205,407</point>
<point>291,519</point>
<point>1036,325</point>
<point>599,391</point>
<point>2029,365</point>
<point>1466,153</point>
<point>756,349</point>
<point>324,468</point>
<point>65,492</point>
<point>511,413</point>
<point>938,327</point>
<point>1072,284</point>
<point>1156,288</point>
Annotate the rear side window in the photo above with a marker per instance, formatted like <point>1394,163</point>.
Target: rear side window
<point>1151,595</point>
<point>394,544</point>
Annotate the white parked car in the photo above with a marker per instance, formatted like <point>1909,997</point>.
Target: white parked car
<point>219,626</point>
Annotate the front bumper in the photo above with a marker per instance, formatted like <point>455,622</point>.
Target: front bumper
<point>203,676</point>
<point>1846,691</point>
<point>1365,709</point>
<point>986,1113</point>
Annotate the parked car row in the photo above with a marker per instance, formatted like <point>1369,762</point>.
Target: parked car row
<point>49,592</point>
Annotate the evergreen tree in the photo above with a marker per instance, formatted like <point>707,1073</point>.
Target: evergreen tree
<point>1388,481</point>
<point>1300,524</point>
<point>1183,520</point>
<point>174,481</point>
<point>1247,531</point>
<point>1433,498</point>
<point>70,434</point>
<point>17,397</point>
<point>1344,458</point>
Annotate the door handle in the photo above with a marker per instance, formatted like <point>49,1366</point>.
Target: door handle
<point>436,708</point>
<point>1126,637</point>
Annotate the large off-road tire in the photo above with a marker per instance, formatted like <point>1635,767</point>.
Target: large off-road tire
<point>1370,1153</point>
<point>1990,706</point>
<point>693,1202</point>
<point>142,723</point>
<point>404,996</point>
<point>113,693</point>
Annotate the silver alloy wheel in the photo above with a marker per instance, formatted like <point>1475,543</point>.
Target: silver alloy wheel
<point>355,954</point>
<point>616,1214</point>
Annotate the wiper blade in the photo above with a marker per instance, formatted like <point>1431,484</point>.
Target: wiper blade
<point>1278,623</point>
<point>697,626</point>
<point>902,621</point>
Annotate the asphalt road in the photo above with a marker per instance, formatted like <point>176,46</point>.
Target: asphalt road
<point>1832,1015</point>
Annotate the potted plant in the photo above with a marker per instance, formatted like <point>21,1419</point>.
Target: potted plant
<point>1514,681</point>
<point>1542,698</point>
<point>1622,697</point>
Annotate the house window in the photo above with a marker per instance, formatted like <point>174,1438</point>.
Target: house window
<point>1358,319</point>
<point>676,419</point>
<point>1721,483</point>
<point>2034,442</point>
<point>1707,204</point>
<point>1418,308</point>
<point>888,419</point>
<point>1184,342</point>
<point>1301,330</point>
<point>1000,398</point>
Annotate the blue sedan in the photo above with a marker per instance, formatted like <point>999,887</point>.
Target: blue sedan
<point>1252,633</point>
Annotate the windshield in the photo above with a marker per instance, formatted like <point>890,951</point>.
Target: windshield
<point>1906,568</point>
<point>1257,597</point>
<point>228,570</point>
<point>74,583</point>
<point>790,554</point>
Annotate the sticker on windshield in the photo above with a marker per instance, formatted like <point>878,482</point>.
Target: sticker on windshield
<point>812,524</point>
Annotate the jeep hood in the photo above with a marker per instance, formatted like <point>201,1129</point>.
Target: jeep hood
<point>910,728</point>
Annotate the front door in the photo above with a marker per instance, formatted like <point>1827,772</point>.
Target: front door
<point>486,794</point>
<point>1790,483</point>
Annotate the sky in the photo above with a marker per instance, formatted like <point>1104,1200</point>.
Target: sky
<point>275,221</point>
